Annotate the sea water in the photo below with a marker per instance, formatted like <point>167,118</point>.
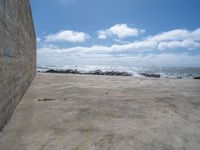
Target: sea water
<point>171,72</point>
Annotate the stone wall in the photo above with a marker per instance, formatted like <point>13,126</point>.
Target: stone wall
<point>17,54</point>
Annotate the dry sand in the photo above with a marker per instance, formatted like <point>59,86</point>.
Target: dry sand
<point>82,112</point>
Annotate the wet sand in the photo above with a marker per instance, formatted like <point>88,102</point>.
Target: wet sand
<point>88,112</point>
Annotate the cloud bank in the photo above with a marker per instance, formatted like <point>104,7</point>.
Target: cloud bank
<point>175,39</point>
<point>162,59</point>
<point>171,48</point>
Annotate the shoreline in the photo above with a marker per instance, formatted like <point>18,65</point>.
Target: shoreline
<point>115,77</point>
<point>112,73</point>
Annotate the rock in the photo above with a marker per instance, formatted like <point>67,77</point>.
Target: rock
<point>197,78</point>
<point>68,71</point>
<point>51,71</point>
<point>95,72</point>
<point>151,75</point>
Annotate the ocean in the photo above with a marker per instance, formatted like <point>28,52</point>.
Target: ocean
<point>170,72</point>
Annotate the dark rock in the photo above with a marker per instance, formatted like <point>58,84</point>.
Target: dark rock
<point>68,71</point>
<point>150,75</point>
<point>51,71</point>
<point>196,78</point>
<point>95,72</point>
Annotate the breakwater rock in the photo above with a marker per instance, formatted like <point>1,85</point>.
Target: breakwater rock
<point>95,72</point>
<point>150,75</point>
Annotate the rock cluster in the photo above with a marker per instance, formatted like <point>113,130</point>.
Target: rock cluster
<point>68,71</point>
<point>108,73</point>
<point>95,72</point>
<point>150,75</point>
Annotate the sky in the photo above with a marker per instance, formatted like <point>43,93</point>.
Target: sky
<point>117,32</point>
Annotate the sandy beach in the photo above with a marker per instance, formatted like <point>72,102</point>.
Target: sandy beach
<point>89,112</point>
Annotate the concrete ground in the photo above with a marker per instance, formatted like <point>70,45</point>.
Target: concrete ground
<point>81,112</point>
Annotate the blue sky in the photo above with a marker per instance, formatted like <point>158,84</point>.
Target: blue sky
<point>117,32</point>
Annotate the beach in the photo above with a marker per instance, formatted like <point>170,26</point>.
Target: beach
<point>91,112</point>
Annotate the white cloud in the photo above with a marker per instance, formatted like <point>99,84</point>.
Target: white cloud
<point>163,59</point>
<point>177,35</point>
<point>135,46</point>
<point>67,35</point>
<point>185,44</point>
<point>179,38</point>
<point>120,31</point>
